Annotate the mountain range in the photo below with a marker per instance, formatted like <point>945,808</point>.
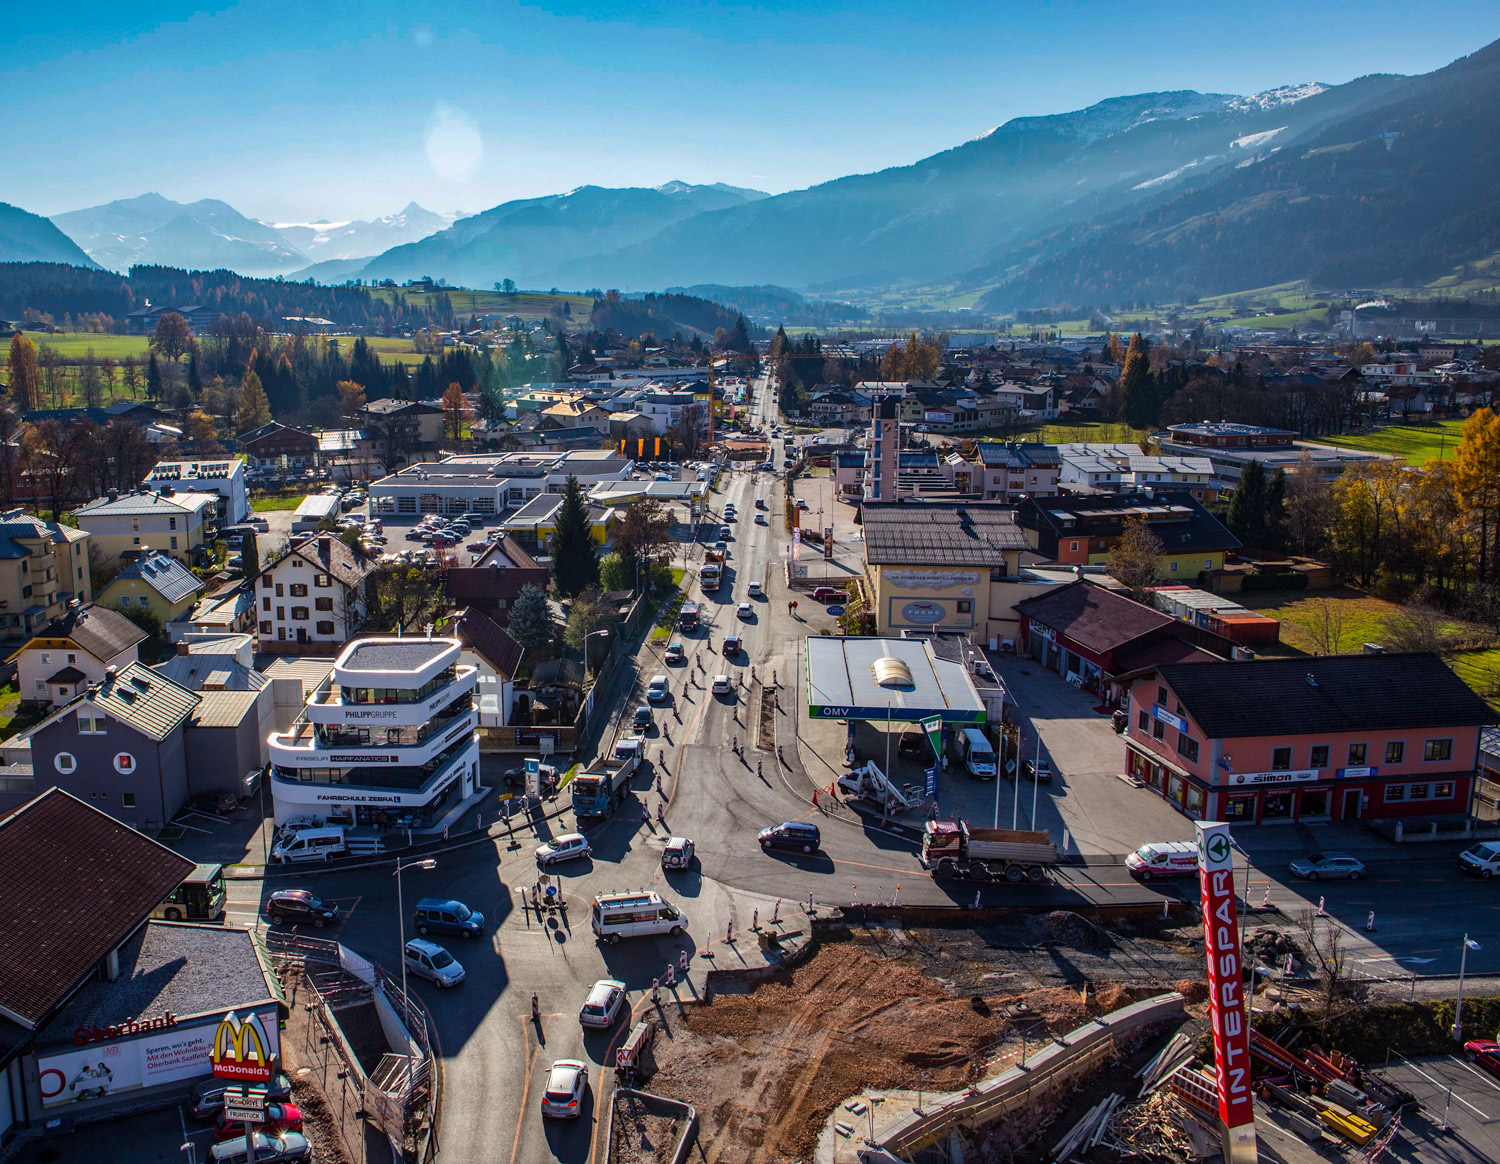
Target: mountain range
<point>30,238</point>
<point>1380,181</point>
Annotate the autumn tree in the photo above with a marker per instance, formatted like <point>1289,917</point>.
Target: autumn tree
<point>255,409</point>
<point>1309,506</point>
<point>25,373</point>
<point>351,397</point>
<point>456,412</point>
<point>644,535</point>
<point>172,337</point>
<point>200,430</point>
<point>1136,559</point>
<point>130,375</point>
<point>1477,473</point>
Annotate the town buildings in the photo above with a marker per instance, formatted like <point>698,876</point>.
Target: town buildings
<point>156,582</point>
<point>495,580</point>
<point>1084,529</point>
<point>224,477</point>
<point>44,566</point>
<point>73,651</point>
<point>493,483</point>
<point>883,450</point>
<point>126,526</point>
<point>312,598</point>
<point>279,446</point>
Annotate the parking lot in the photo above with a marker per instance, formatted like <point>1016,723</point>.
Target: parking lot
<point>1459,1121</point>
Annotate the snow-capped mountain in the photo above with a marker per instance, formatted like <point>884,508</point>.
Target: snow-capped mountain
<point>358,238</point>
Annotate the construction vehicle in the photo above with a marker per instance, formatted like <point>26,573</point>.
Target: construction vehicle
<point>601,789</point>
<point>870,783</point>
<point>709,575</point>
<point>953,849</point>
<point>687,617</point>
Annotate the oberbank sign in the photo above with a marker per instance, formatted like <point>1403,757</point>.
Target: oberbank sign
<point>242,1049</point>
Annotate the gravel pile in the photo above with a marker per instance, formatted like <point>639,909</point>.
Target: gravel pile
<point>640,1137</point>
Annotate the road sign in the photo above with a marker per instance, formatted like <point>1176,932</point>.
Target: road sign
<point>835,611</point>
<point>245,1105</point>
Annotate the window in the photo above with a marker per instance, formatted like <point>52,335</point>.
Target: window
<point>265,628</point>
<point>47,658</point>
<point>1420,791</point>
<point>265,603</point>
<point>322,604</point>
<point>1158,730</point>
<point>135,541</point>
<point>265,581</point>
<point>280,590</point>
<point>127,800</point>
<point>1356,755</point>
<point>1437,750</point>
<point>1394,751</point>
<point>72,658</point>
<point>1187,747</point>
<point>80,573</point>
<point>1395,793</point>
<point>90,723</point>
<point>174,543</point>
<point>142,600</point>
<point>65,762</point>
<point>1072,547</point>
<point>280,612</point>
<point>325,628</point>
<point>1144,720</point>
<point>171,523</point>
<point>135,526</point>
<point>1443,790</point>
<point>299,614</point>
<point>965,606</point>
<point>1318,757</point>
<point>1172,567</point>
<point>299,589</point>
<point>322,580</point>
<point>41,685</point>
<point>1208,563</point>
<point>297,563</point>
<point>1281,759</point>
<point>1161,696</point>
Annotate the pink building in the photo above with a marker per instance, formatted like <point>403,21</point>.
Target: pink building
<point>1340,737</point>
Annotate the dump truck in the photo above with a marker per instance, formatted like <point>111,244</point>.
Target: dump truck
<point>601,789</point>
<point>709,574</point>
<point>953,849</point>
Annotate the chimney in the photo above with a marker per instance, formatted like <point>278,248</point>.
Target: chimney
<point>1374,649</point>
<point>325,544</point>
<point>184,649</point>
<point>114,495</point>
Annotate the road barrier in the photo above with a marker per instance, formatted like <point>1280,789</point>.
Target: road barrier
<point>660,1105</point>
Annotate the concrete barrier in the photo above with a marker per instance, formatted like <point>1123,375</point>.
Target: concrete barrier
<point>657,1105</point>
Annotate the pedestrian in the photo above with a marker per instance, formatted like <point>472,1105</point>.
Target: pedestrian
<point>815,798</point>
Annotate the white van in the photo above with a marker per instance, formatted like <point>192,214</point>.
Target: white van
<point>1483,859</point>
<point>1164,859</point>
<point>978,756</point>
<point>631,915</point>
<point>310,845</point>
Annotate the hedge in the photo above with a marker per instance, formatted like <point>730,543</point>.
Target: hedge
<point>1290,581</point>
<point>1412,1029</point>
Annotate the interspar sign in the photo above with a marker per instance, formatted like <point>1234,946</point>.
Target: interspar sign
<point>1226,989</point>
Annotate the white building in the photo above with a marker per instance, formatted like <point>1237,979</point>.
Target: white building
<point>492,484</point>
<point>224,477</point>
<point>311,596</point>
<point>390,733</point>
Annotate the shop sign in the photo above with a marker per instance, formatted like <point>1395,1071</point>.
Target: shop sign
<point>1358,773</point>
<point>1264,778</point>
<point>245,1105</point>
<point>1226,1000</point>
<point>923,612</point>
<point>242,1049</point>
<point>98,1034</point>
<point>908,579</point>
<point>1166,717</point>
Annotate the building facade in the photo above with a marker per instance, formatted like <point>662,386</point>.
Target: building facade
<point>312,598</point>
<point>883,451</point>
<point>44,566</point>
<point>1082,530</point>
<point>390,733</point>
<point>126,526</point>
<point>74,652</point>
<point>224,478</point>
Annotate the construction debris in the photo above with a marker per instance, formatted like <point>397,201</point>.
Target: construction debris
<point>1150,1131</point>
<point>1177,1052</point>
<point>1086,1132</point>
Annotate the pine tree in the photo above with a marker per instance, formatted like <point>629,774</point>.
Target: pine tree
<point>153,379</point>
<point>1248,506</point>
<point>1137,389</point>
<point>575,554</point>
<point>739,336</point>
<point>255,409</point>
<point>195,381</point>
<point>531,619</point>
<point>249,554</point>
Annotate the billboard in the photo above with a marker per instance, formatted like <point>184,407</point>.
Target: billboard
<point>1226,990</point>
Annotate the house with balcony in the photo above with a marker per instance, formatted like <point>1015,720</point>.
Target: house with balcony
<point>43,567</point>
<point>1083,529</point>
<point>389,735</point>
<point>1306,740</point>
<point>127,526</point>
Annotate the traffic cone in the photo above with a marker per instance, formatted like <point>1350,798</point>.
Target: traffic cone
<point>1321,911</point>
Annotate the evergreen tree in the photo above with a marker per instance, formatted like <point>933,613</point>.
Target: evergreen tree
<point>255,410</point>
<point>575,554</point>
<point>531,619</point>
<point>249,554</point>
<point>739,336</point>
<point>195,381</point>
<point>1247,508</point>
<point>153,379</point>
<point>1276,509</point>
<point>1136,389</point>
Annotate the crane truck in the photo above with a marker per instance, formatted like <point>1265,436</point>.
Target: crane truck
<point>953,849</point>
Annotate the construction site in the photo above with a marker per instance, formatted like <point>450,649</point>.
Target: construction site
<point>1024,1039</point>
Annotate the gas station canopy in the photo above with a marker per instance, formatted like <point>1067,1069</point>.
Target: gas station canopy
<point>877,678</point>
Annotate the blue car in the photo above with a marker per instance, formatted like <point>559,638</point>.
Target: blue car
<point>436,915</point>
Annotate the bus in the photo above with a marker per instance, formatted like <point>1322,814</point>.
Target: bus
<point>200,897</point>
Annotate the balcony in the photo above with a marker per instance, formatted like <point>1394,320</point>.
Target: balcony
<point>308,744</point>
<point>396,778</point>
<point>334,703</point>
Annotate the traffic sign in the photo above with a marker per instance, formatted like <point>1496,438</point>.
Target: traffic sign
<point>245,1105</point>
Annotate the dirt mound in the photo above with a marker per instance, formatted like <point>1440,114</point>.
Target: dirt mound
<point>1071,929</point>
<point>1192,990</point>
<point>1270,947</point>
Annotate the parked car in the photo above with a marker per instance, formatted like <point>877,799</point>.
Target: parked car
<point>429,960</point>
<point>439,915</point>
<point>1483,859</point>
<point>1329,865</point>
<point>792,834</point>
<point>215,803</point>
<point>280,1117</point>
<point>564,847</point>
<point>208,1096</point>
<point>678,853</point>
<point>828,594</point>
<point>675,654</point>
<point>1484,1054</point>
<point>296,906</point>
<point>603,1004</point>
<point>270,1148</point>
<point>912,744</point>
<point>566,1083</point>
<point>1039,770</point>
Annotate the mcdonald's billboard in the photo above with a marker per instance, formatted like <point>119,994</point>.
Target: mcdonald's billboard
<point>242,1049</point>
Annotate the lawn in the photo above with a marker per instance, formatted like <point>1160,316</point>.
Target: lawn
<point>272,504</point>
<point>1095,431</point>
<point>1417,443</point>
<point>75,345</point>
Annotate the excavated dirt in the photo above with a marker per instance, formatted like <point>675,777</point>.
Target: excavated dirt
<point>766,1069</point>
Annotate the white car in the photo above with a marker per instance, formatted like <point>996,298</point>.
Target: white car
<point>429,960</point>
<point>563,848</point>
<point>760,519</point>
<point>722,685</point>
<point>566,1083</point>
<point>603,1003</point>
<point>755,590</point>
<point>745,610</point>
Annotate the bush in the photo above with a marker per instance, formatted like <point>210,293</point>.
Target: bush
<point>1412,1029</point>
<point>1292,581</point>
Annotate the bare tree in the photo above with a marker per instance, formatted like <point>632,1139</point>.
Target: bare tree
<point>1136,559</point>
<point>1327,626</point>
<point>1417,626</point>
<point>1326,955</point>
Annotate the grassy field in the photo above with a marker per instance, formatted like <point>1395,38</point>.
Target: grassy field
<point>75,345</point>
<point>1097,431</point>
<point>273,504</point>
<point>1418,443</point>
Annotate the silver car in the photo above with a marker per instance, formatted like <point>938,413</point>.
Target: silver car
<point>603,1003</point>
<point>566,1083</point>
<point>1329,865</point>
<point>563,848</point>
<point>429,960</point>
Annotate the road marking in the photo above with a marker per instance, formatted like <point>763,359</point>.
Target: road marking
<point>1441,1086</point>
<point>1472,1070</point>
<point>531,1056</point>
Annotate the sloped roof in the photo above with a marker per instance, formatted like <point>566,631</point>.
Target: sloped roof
<point>488,639</point>
<point>223,708</point>
<point>211,672</point>
<point>102,632</point>
<point>1093,617</point>
<point>74,884</point>
<point>142,698</point>
<point>164,574</point>
<point>142,504</point>
<point>329,555</point>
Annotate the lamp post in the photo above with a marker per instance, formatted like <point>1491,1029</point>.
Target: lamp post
<point>586,639</point>
<point>1463,959</point>
<point>421,863</point>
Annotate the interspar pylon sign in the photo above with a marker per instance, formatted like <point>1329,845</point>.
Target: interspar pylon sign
<point>1226,990</point>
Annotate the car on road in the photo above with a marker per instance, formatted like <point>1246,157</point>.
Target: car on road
<point>678,853</point>
<point>1484,1054</point>
<point>280,1117</point>
<point>760,519</point>
<point>793,834</point>
<point>563,847</point>
<point>208,1096</point>
<point>745,610</point>
<point>296,906</point>
<point>602,1006</point>
<point>828,594</point>
<point>801,503</point>
<point>1039,770</point>
<point>721,685</point>
<point>766,466</point>
<point>215,803</point>
<point>443,915</point>
<point>270,1148</point>
<point>756,590</point>
<point>658,689</point>
<point>675,654</point>
<point>1321,865</point>
<point>566,1083</point>
<point>760,503</point>
<point>912,743</point>
<point>725,532</point>
<point>429,960</point>
<point>722,548</point>
<point>642,719</point>
<point>732,646</point>
<point>1483,859</point>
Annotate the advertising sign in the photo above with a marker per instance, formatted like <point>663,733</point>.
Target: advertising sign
<point>245,1105</point>
<point>533,767</point>
<point>1226,990</point>
<point>1176,721</point>
<point>1301,776</point>
<point>242,1049</point>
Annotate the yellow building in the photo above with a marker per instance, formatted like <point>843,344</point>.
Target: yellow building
<point>44,566</point>
<point>128,524</point>
<point>158,583</point>
<point>535,523</point>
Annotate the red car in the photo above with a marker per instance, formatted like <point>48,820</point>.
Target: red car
<point>828,594</point>
<point>1485,1054</point>
<point>280,1117</point>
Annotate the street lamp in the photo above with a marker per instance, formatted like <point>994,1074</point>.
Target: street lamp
<point>421,863</point>
<point>1463,959</point>
<point>586,639</point>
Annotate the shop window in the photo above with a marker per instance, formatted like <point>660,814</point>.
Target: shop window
<point>1419,791</point>
<point>1278,806</point>
<point>1239,808</point>
<point>1395,750</point>
<point>1443,790</point>
<point>1193,805</point>
<point>1357,754</point>
<point>1318,756</point>
<point>1187,747</point>
<point>1281,760</point>
<point>1143,721</point>
<point>1314,804</point>
<point>1437,750</point>
<point>1394,793</point>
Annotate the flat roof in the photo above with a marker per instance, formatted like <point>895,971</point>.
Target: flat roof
<point>841,681</point>
<point>403,655</point>
<point>319,505</point>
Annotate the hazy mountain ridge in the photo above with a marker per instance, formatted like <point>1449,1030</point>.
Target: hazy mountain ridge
<point>363,238</point>
<point>30,238</point>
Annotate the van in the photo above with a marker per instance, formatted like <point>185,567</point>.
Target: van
<point>310,845</point>
<point>977,755</point>
<point>656,690</point>
<point>630,915</point>
<point>1483,859</point>
<point>1164,859</point>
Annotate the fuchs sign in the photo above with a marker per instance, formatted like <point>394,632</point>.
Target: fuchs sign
<point>1226,991</point>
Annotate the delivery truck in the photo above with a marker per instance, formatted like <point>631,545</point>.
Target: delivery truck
<point>953,849</point>
<point>602,789</point>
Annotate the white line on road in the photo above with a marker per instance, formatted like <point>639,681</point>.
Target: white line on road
<point>1441,1086</point>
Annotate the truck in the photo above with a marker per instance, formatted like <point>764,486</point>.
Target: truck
<point>971,748</point>
<point>952,849</point>
<point>687,617</point>
<point>709,575</point>
<point>868,782</point>
<point>601,789</point>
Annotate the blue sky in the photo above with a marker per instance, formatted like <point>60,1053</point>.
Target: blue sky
<point>292,112</point>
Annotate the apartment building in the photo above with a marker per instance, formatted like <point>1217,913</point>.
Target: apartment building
<point>312,598</point>
<point>43,567</point>
<point>126,526</point>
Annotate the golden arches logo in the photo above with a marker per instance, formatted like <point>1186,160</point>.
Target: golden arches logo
<point>241,1049</point>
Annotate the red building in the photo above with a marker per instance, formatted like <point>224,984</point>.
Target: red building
<point>1342,737</point>
<point>495,580</point>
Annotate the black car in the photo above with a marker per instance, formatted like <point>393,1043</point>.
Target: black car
<point>215,803</point>
<point>208,1096</point>
<point>292,906</point>
<point>732,646</point>
<point>793,834</point>
<point>912,744</point>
